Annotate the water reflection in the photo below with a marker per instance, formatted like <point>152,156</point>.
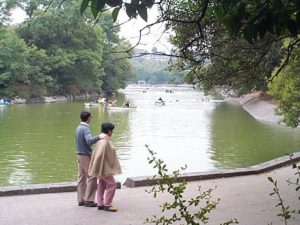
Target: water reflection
<point>238,140</point>
<point>179,131</point>
<point>37,143</point>
<point>20,174</point>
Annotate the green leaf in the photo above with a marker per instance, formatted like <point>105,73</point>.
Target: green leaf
<point>114,3</point>
<point>270,179</point>
<point>100,4</point>
<point>219,12</point>
<point>148,3</point>
<point>115,14</point>
<point>94,8</point>
<point>84,5</point>
<point>142,10</point>
<point>130,10</point>
<point>97,6</point>
<point>135,2</point>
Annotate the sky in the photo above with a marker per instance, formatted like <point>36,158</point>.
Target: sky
<point>18,15</point>
<point>150,38</point>
<point>129,30</point>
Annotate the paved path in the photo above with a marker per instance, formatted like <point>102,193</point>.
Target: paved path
<point>245,198</point>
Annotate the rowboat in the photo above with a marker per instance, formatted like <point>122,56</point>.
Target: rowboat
<point>160,103</point>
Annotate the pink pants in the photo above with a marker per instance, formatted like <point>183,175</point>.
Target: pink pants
<point>107,185</point>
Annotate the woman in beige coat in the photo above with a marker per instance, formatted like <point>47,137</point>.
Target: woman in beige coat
<point>104,165</point>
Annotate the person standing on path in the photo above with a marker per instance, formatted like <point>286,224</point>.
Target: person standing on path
<point>86,187</point>
<point>104,165</point>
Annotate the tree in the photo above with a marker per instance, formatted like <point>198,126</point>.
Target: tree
<point>116,65</point>
<point>216,59</point>
<point>5,8</point>
<point>251,32</point>
<point>154,70</point>
<point>249,18</point>
<point>22,68</point>
<point>285,89</point>
<point>74,48</point>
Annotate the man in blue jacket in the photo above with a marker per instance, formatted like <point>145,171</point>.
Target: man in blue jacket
<point>86,188</point>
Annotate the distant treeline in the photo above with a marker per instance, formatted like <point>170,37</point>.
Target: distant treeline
<point>60,52</point>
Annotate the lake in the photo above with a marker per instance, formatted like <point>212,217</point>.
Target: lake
<point>37,140</point>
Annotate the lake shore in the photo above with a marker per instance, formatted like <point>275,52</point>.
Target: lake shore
<point>258,105</point>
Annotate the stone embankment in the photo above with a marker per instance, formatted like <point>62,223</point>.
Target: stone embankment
<point>260,106</point>
<point>54,99</point>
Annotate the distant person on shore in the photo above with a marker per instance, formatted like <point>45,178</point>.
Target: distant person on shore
<point>104,165</point>
<point>127,104</point>
<point>86,188</point>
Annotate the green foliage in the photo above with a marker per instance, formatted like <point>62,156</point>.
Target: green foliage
<point>79,52</point>
<point>74,49</point>
<point>248,18</point>
<point>22,68</point>
<point>116,65</point>
<point>155,71</point>
<point>59,51</point>
<point>5,8</point>
<point>136,7</point>
<point>256,18</point>
<point>285,89</point>
<point>285,211</point>
<point>180,208</point>
<point>216,59</point>
<point>240,39</point>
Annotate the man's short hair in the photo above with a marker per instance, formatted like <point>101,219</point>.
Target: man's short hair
<point>85,115</point>
<point>106,127</point>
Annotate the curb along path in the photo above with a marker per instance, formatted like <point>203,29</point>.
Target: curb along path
<point>148,181</point>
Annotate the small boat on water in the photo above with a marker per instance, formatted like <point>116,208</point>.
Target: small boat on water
<point>169,91</point>
<point>3,104</point>
<point>160,103</point>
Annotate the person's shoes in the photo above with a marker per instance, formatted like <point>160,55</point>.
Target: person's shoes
<point>100,207</point>
<point>110,208</point>
<point>80,203</point>
<point>90,204</point>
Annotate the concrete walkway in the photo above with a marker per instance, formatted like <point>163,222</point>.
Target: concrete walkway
<point>245,198</point>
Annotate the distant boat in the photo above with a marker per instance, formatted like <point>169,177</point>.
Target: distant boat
<point>160,103</point>
<point>169,91</point>
<point>3,104</point>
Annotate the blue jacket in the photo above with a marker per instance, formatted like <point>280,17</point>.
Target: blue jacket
<point>84,139</point>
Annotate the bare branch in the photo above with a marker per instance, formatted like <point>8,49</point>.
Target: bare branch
<point>291,47</point>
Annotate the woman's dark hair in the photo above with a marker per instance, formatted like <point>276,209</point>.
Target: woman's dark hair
<point>106,127</point>
<point>85,115</point>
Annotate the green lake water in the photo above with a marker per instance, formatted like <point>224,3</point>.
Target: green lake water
<point>37,140</point>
